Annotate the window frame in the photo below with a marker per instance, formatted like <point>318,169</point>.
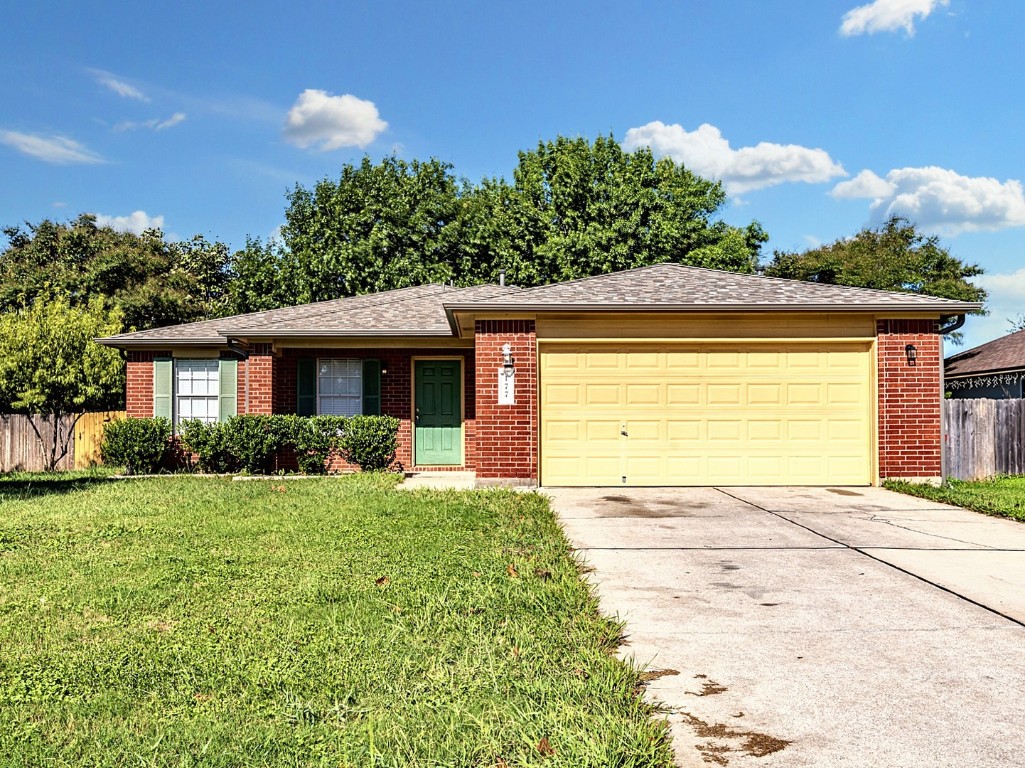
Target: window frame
<point>213,400</point>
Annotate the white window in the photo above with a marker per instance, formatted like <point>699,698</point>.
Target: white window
<point>196,386</point>
<point>340,387</point>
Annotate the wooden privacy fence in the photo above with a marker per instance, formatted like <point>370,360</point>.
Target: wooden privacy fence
<point>984,437</point>
<point>20,449</point>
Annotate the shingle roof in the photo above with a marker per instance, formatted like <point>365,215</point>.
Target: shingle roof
<point>674,286</point>
<point>418,310</point>
<point>428,310</point>
<point>1004,354</point>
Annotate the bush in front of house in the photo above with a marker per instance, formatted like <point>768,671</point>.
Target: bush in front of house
<point>313,439</point>
<point>141,446</point>
<point>208,442</point>
<point>370,442</point>
<point>250,442</point>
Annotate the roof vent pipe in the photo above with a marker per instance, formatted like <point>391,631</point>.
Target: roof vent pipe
<point>501,277</point>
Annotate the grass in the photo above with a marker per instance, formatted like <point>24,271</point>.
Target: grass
<point>202,622</point>
<point>999,496</point>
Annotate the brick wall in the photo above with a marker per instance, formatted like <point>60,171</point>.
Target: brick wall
<point>506,434</point>
<point>139,383</point>
<point>910,424</point>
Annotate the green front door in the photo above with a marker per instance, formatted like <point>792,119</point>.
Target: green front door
<point>438,389</point>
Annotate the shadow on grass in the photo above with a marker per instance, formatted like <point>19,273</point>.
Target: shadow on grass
<point>22,485</point>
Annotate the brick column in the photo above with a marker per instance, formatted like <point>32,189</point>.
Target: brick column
<point>910,419</point>
<point>506,434</point>
<point>259,374</point>
<point>139,383</point>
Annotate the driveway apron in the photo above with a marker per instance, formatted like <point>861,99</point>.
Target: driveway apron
<point>815,626</point>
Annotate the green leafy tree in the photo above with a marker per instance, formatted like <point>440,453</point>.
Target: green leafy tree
<point>578,208</point>
<point>50,367</point>
<point>574,208</point>
<point>153,282</point>
<point>893,257</point>
<point>259,277</point>
<point>1016,324</point>
<point>380,226</point>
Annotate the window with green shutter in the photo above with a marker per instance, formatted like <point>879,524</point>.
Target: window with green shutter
<point>338,386</point>
<point>163,376</point>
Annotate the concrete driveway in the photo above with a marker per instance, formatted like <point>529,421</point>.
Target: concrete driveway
<point>815,627</point>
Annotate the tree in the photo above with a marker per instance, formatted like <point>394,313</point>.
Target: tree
<point>380,226</point>
<point>578,208</point>
<point>50,367</point>
<point>893,257</point>
<point>258,278</point>
<point>574,208</point>
<point>1016,324</point>
<point>154,282</point>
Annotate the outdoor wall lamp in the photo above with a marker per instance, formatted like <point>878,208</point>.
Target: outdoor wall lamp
<point>507,360</point>
<point>911,353</point>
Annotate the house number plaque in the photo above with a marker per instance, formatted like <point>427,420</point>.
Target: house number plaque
<point>506,386</point>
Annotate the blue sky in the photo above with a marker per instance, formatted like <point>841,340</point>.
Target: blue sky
<point>820,116</point>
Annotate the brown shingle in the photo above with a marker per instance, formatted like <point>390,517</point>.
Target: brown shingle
<point>1004,354</point>
<point>677,286</point>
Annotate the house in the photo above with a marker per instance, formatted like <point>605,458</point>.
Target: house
<point>661,375</point>
<point>995,370</point>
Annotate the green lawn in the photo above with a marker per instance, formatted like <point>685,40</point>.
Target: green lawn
<point>194,621</point>
<point>1001,496</point>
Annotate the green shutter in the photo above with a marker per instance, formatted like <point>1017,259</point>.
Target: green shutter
<point>163,372</point>
<point>306,386</point>
<point>371,387</point>
<point>228,394</point>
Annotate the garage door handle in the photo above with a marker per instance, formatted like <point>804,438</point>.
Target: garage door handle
<point>623,433</point>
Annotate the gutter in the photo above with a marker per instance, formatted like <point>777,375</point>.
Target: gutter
<point>944,308</point>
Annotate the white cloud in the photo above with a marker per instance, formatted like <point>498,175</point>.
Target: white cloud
<point>1005,302</point>
<point>117,85</point>
<point>318,118</point>
<point>708,154</point>
<point>887,16</point>
<point>51,149</point>
<point>137,222</point>
<point>940,199</point>
<point>155,124</point>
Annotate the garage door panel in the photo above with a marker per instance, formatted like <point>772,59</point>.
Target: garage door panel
<point>761,414</point>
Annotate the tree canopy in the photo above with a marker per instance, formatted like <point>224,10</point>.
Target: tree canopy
<point>574,208</point>
<point>152,281</point>
<point>50,367</point>
<point>893,257</point>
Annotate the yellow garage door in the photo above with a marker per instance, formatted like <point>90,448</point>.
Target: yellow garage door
<point>706,414</point>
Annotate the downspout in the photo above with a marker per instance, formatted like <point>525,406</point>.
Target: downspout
<point>234,346</point>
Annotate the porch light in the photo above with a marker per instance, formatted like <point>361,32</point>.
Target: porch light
<point>507,360</point>
<point>911,353</point>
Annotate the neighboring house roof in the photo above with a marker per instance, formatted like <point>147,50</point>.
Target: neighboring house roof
<point>414,311</point>
<point>679,288</point>
<point>1004,354</point>
<point>429,310</point>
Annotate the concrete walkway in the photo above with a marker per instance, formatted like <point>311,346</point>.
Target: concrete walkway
<point>815,627</point>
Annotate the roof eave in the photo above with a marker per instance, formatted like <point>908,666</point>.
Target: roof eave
<point>983,372</point>
<point>114,341</point>
<point>291,333</point>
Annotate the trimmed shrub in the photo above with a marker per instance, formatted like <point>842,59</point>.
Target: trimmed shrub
<point>252,440</point>
<point>209,443</point>
<point>313,439</point>
<point>370,442</point>
<point>141,446</point>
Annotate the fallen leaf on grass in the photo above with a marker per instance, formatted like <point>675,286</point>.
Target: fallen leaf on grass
<point>543,573</point>
<point>382,581</point>
<point>511,568</point>
<point>516,651</point>
<point>545,748</point>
